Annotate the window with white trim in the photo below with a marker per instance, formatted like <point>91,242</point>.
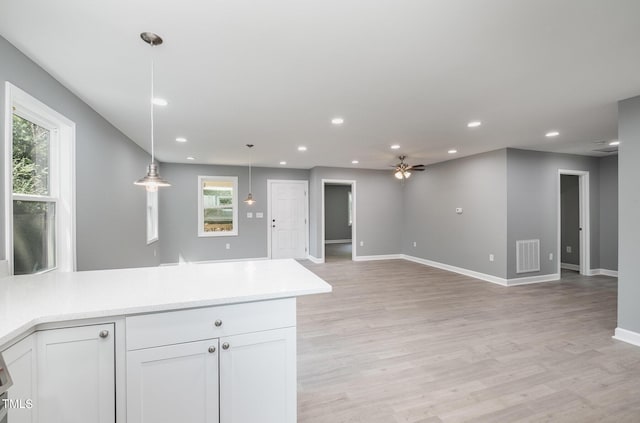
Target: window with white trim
<point>39,165</point>
<point>217,205</point>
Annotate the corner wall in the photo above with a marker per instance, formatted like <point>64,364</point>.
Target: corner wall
<point>629,252</point>
<point>478,185</point>
<point>609,213</point>
<point>532,192</point>
<point>110,210</point>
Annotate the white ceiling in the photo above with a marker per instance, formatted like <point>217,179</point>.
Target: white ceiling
<point>273,73</point>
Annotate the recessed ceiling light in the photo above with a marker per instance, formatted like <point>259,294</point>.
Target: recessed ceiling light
<point>181,139</point>
<point>354,162</point>
<point>452,151</point>
<point>191,158</point>
<point>395,146</point>
<point>337,121</point>
<point>159,101</point>
<point>613,143</point>
<point>474,124</point>
<point>283,163</point>
<point>551,134</point>
<point>302,148</point>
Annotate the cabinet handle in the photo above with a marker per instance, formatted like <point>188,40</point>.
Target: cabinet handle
<point>212,349</point>
<point>103,333</point>
<point>218,323</point>
<point>225,346</point>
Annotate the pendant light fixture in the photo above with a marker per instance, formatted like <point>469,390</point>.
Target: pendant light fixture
<point>152,180</point>
<point>250,201</point>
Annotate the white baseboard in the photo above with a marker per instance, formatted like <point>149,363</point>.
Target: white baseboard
<point>483,276</point>
<point>627,336</point>
<point>337,241</point>
<point>570,266</point>
<point>379,257</point>
<point>603,272</point>
<point>215,261</point>
<point>315,260</point>
<point>460,270</point>
<point>4,268</point>
<point>533,279</point>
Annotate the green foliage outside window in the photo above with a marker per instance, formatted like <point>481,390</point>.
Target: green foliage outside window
<point>30,157</point>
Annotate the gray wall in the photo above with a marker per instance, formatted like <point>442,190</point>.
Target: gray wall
<point>378,215</point>
<point>570,218</point>
<point>110,210</point>
<point>532,192</point>
<point>336,212</point>
<point>609,213</point>
<point>629,203</point>
<point>477,184</point>
<point>178,213</point>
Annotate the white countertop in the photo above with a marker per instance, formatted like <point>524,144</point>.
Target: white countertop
<point>27,301</point>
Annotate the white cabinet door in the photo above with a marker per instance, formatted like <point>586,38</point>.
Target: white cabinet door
<point>76,375</point>
<point>258,377</point>
<point>174,383</point>
<point>21,361</point>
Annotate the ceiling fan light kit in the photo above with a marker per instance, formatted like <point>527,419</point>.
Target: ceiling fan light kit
<point>403,170</point>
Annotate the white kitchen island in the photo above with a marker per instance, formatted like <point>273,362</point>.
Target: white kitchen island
<point>197,343</point>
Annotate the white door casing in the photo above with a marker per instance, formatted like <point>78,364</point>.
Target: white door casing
<point>354,242</point>
<point>585,220</point>
<point>288,219</point>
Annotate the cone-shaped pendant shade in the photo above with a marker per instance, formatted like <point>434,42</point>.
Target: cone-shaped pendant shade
<point>152,180</point>
<point>250,201</point>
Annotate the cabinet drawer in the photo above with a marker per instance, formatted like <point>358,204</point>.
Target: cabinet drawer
<point>174,327</point>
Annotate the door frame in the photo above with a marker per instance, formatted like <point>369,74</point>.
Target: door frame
<point>270,182</point>
<point>354,238</point>
<point>585,220</point>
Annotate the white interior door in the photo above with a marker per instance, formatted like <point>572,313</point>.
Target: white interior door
<point>288,219</point>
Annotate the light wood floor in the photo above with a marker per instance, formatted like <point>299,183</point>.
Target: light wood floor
<point>400,342</point>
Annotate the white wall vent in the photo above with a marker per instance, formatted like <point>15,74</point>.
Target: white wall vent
<point>528,255</point>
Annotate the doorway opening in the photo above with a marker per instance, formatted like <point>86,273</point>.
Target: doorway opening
<point>574,240</point>
<point>338,219</point>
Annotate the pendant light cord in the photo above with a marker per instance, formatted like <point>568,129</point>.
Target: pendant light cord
<point>152,105</point>
<point>250,170</point>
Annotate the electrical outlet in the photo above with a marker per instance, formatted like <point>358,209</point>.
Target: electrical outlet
<point>459,210</point>
<point>550,256</point>
<point>362,243</point>
<point>491,257</point>
<point>415,244</point>
<point>568,248</point>
<point>228,246</point>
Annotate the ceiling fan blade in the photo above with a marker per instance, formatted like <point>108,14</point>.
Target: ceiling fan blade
<point>418,170</point>
<point>417,166</point>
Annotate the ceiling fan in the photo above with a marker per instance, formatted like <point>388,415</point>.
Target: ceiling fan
<point>403,170</point>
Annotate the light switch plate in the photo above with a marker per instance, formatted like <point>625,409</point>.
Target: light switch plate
<point>249,215</point>
<point>259,215</point>
<point>458,210</point>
